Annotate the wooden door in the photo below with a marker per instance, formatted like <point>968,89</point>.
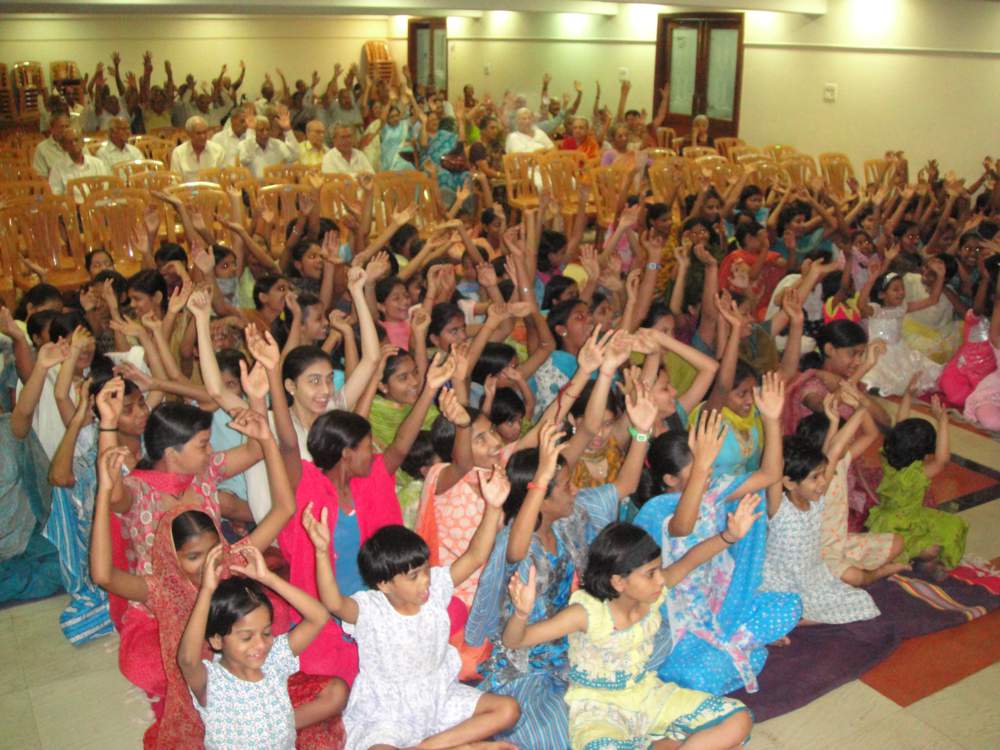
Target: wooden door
<point>702,57</point>
<point>427,51</point>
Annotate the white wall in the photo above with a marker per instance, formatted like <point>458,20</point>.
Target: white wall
<point>917,75</point>
<point>199,44</point>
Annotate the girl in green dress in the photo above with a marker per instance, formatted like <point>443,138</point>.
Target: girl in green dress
<point>911,457</point>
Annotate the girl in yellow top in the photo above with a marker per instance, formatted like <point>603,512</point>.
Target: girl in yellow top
<point>616,642</point>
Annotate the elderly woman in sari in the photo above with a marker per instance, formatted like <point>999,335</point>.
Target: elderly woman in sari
<point>440,138</point>
<point>526,136</point>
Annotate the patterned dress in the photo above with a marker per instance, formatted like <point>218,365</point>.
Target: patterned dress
<point>616,700</point>
<point>840,548</point>
<point>793,563</point>
<point>720,621</point>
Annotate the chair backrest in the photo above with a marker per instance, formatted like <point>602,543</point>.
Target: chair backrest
<point>736,152</point>
<point>239,178</point>
<point>775,150</point>
<point>667,179</point>
<point>720,170</point>
<point>659,153</point>
<point>283,201</point>
<point>79,188</point>
<point>875,171</point>
<point>695,152</point>
<point>113,220</point>
<point>396,191</point>
<point>665,137</point>
<point>519,173</point>
<point>10,189</point>
<point>176,136</point>
<point>152,147</point>
<point>125,169</point>
<point>724,145</point>
<point>205,197</point>
<point>606,185</point>
<point>282,174</point>
<point>17,170</point>
<point>767,173</point>
<point>800,168</point>
<point>46,231</point>
<point>336,194</point>
<point>158,180</point>
<point>92,143</point>
<point>558,170</point>
<point>837,170</point>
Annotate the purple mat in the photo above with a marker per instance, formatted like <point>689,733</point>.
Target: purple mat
<point>821,658</point>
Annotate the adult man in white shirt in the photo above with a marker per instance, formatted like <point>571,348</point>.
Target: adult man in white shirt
<point>197,153</point>
<point>117,148</point>
<point>526,137</point>
<point>343,158</point>
<point>50,152</point>
<point>77,164</point>
<point>313,149</point>
<point>234,132</point>
<point>264,151</point>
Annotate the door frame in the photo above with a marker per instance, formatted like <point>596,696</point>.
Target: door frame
<point>682,123</point>
<point>430,23</point>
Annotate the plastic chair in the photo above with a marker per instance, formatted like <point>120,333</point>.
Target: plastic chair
<point>16,170</point>
<point>158,180</point>
<point>43,229</point>
<point>396,191</point>
<point>665,137</point>
<point>125,169</point>
<point>766,174</point>
<point>154,148</point>
<point>113,220</point>
<point>79,188</point>
<point>736,152</point>
<point>724,145</point>
<point>720,170</point>
<point>775,151</point>
<point>519,174</point>
<point>22,189</point>
<point>800,168</point>
<point>667,179</point>
<point>837,170</point>
<point>206,198</point>
<point>287,174</point>
<point>239,178</point>
<point>875,171</point>
<point>283,201</point>
<point>696,152</point>
<point>561,179</point>
<point>337,192</point>
<point>606,184</point>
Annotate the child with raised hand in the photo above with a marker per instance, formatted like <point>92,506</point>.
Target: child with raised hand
<point>242,693</point>
<point>407,691</point>
<point>913,454</point>
<point>614,698</point>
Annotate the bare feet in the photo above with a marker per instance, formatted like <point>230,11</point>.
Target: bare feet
<point>934,569</point>
<point>781,642</point>
<point>889,569</point>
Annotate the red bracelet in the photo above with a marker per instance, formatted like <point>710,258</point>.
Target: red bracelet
<point>535,486</point>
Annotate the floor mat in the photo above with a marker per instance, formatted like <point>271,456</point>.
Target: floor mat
<point>821,658</point>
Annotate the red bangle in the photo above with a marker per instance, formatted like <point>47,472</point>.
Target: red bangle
<point>535,486</point>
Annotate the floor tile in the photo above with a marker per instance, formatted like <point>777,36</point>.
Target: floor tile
<point>984,530</point>
<point>18,721</point>
<point>93,711</point>
<point>966,712</point>
<point>826,721</point>
<point>900,732</point>
<point>11,674</point>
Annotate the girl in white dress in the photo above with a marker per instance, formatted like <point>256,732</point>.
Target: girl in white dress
<point>407,690</point>
<point>883,302</point>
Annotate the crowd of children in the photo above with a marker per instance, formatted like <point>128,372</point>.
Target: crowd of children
<point>491,482</point>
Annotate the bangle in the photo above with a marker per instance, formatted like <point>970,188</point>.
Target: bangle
<point>536,486</point>
<point>524,290</point>
<point>639,437</point>
<point>107,429</point>
<point>722,536</point>
<point>654,266</point>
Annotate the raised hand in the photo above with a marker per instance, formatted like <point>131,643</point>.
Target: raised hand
<point>594,350</point>
<point>640,407</point>
<point>132,373</point>
<point>356,278</point>
<point>440,371</point>
<point>262,347</point>
<point>379,267</point>
<point>486,275</point>
<point>739,522</point>
<point>452,410</point>
<point>792,306</point>
<point>109,465</point>
<point>52,354</point>
<point>255,568</point>
<point>522,595</point>
<point>255,382</point>
<point>770,396</point>
<point>111,401</point>
<point>495,487</point>
<point>317,529</point>
<point>938,409</point>
<point>705,438</point>
<point>200,303</point>
<point>252,424</point>
<point>549,448</point>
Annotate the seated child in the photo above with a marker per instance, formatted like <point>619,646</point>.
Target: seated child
<point>934,537</point>
<point>615,697</point>
<point>401,626</point>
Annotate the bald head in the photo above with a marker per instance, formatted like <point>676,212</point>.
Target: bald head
<point>315,133</point>
<point>118,131</point>
<point>197,129</point>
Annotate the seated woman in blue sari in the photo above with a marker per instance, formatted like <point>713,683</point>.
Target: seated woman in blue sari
<point>438,139</point>
<point>719,621</point>
<point>549,527</point>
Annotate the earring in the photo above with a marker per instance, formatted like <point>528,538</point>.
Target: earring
<point>564,333</point>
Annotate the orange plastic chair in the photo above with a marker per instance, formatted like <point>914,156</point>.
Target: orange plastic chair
<point>158,180</point>
<point>17,170</point>
<point>800,167</point>
<point>283,202</point>
<point>239,178</point>
<point>695,152</point>
<point>396,191</point>
<point>560,175</point>
<point>724,145</point>
<point>767,174</point>
<point>665,137</point>
<point>607,184</point>
<point>736,152</point>
<point>206,198</point>
<point>519,174</point>
<point>125,169</point>
<point>837,170</point>
<point>338,192</point>
<point>667,179</point>
<point>10,189</point>
<point>113,220</point>
<point>875,171</point>
<point>79,188</point>
<point>43,229</point>
<point>719,169</point>
<point>152,147</point>
<point>775,151</point>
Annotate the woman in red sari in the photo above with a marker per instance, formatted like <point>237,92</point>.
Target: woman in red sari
<point>183,537</point>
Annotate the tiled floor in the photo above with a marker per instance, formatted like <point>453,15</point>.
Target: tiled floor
<point>54,696</point>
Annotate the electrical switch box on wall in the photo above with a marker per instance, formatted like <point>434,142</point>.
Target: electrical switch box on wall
<point>830,92</point>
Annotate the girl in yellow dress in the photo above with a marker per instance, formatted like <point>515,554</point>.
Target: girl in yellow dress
<point>615,698</point>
